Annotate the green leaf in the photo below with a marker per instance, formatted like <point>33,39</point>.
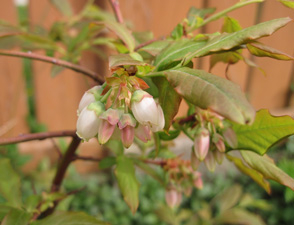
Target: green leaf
<point>122,32</point>
<point>231,25</point>
<point>177,32</point>
<point>287,3</point>
<point>208,91</point>
<point>169,100</point>
<point>261,50</point>
<point>107,162</point>
<point>228,199</point>
<point>143,37</point>
<point>240,216</point>
<point>155,47</point>
<point>176,51</point>
<point>228,41</point>
<point>127,181</point>
<point>264,132</point>
<point>17,217</point>
<point>4,209</point>
<point>33,41</point>
<point>122,60</point>
<point>225,57</point>
<point>10,184</point>
<point>256,176</point>
<point>267,167</point>
<point>195,13</point>
<point>69,218</point>
<point>63,6</point>
<point>172,134</point>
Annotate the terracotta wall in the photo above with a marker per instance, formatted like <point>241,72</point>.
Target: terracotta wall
<point>57,98</point>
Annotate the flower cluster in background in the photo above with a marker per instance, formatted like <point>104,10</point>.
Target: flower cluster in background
<point>211,136</point>
<point>120,108</point>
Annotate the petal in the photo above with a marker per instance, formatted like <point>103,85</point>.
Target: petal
<point>87,124</point>
<point>105,130</point>
<point>87,99</point>
<point>127,136</point>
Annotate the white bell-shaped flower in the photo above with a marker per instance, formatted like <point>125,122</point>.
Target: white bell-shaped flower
<point>146,111</point>
<point>88,121</point>
<point>90,96</point>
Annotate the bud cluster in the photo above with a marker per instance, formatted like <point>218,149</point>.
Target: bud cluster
<point>120,107</point>
<point>210,139</point>
<point>181,178</point>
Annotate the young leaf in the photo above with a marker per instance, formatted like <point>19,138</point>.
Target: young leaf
<point>231,25</point>
<point>231,40</point>
<point>255,175</point>
<point>240,216</point>
<point>264,132</point>
<point>176,51</point>
<point>287,3</point>
<point>228,199</point>
<point>16,217</point>
<point>63,6</point>
<point>195,13</point>
<point>122,60</point>
<point>107,162</point>
<point>211,92</point>
<point>9,184</point>
<point>122,32</point>
<point>267,168</point>
<point>169,100</point>
<point>69,218</point>
<point>127,181</point>
<point>262,50</point>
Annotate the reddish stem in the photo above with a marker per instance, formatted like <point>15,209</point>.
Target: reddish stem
<point>117,11</point>
<point>37,136</point>
<point>95,76</point>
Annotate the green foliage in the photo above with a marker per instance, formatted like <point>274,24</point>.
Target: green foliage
<point>264,132</point>
<point>125,173</point>
<point>223,96</point>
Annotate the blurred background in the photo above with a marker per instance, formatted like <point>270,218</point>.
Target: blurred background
<point>31,100</point>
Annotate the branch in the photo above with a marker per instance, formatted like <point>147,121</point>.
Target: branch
<point>95,76</point>
<point>155,162</point>
<point>37,136</point>
<point>61,170</point>
<point>116,9</point>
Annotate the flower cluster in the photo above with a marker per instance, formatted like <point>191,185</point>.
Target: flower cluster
<point>119,108</point>
<point>181,178</point>
<point>210,139</point>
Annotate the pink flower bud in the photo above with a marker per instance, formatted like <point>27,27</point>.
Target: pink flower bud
<point>146,111</point>
<point>210,162</point>
<point>231,137</point>
<point>89,96</point>
<point>107,124</point>
<point>88,121</point>
<point>201,144</point>
<point>173,198</point>
<point>143,133</point>
<point>219,142</point>
<point>126,124</point>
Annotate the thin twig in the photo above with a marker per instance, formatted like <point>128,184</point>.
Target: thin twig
<point>85,158</point>
<point>116,9</point>
<point>155,162</point>
<point>93,75</point>
<point>148,42</point>
<point>58,151</point>
<point>37,136</point>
